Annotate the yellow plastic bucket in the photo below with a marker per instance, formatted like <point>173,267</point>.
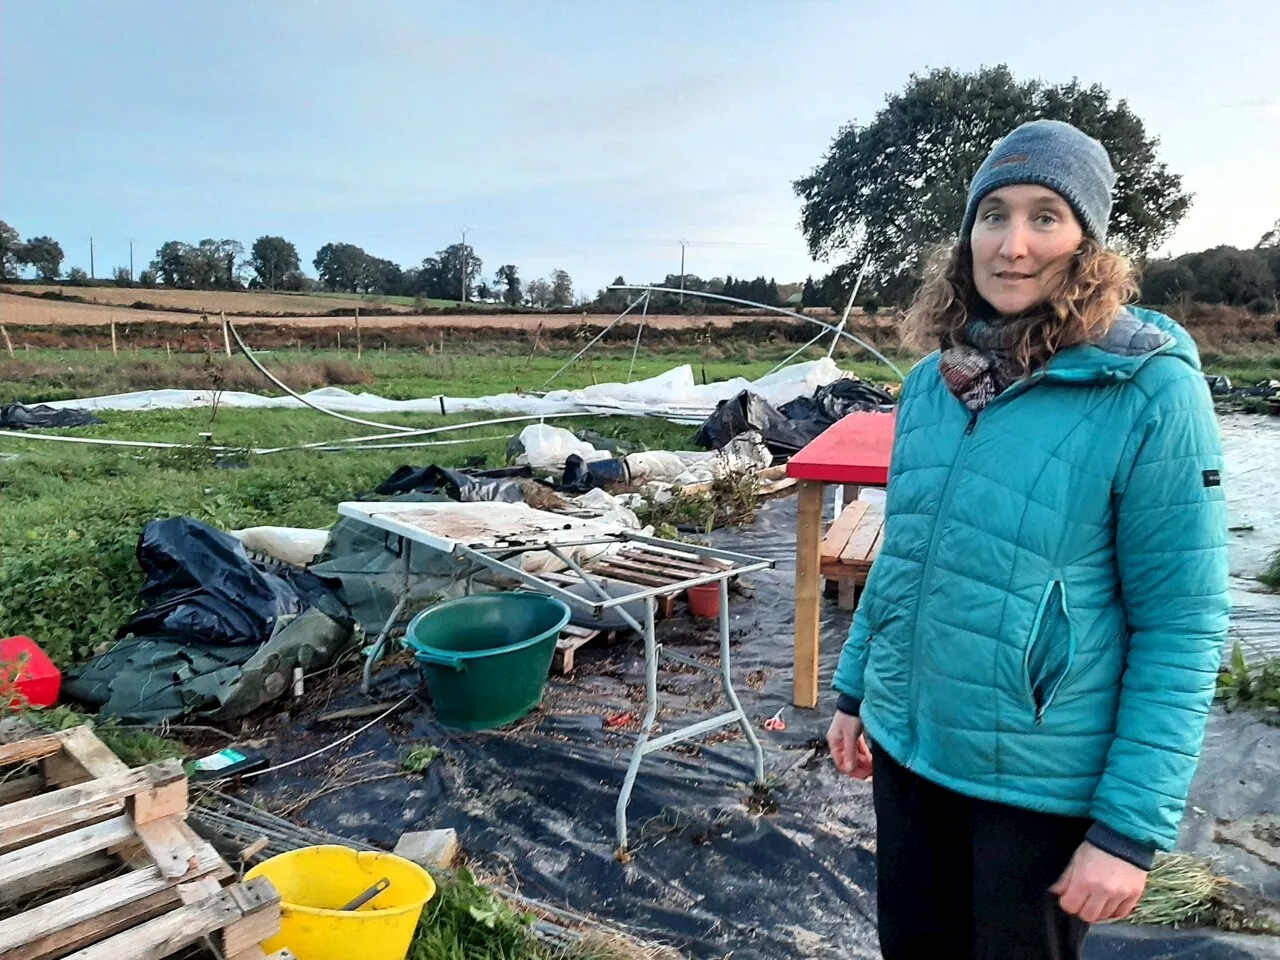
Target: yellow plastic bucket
<point>315,882</point>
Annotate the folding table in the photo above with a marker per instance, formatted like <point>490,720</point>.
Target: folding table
<point>507,539</point>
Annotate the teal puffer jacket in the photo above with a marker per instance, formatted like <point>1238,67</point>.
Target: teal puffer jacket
<point>1045,621</point>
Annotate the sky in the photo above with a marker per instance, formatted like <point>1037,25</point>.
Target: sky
<point>588,135</point>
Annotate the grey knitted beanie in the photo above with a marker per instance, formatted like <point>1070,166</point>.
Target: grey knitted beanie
<point>1052,154</point>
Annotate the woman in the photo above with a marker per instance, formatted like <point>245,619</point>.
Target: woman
<point>1034,655</point>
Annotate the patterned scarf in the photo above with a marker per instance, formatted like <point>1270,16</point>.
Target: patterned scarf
<point>980,365</point>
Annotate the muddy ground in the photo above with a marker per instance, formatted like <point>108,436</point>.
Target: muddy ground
<point>713,870</point>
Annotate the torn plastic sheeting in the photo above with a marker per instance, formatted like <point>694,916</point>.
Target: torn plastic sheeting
<point>745,453</point>
<point>296,545</point>
<point>834,401</point>
<point>17,416</point>
<point>548,447</point>
<point>611,509</point>
<point>663,464</point>
<point>748,411</point>
<point>201,587</point>
<point>674,394</point>
<point>501,485</point>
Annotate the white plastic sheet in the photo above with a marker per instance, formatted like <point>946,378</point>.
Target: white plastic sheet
<point>296,545</point>
<point>674,395</point>
<point>548,447</point>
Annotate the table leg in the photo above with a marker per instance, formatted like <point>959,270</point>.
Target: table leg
<point>808,592</point>
<point>375,652</point>
<point>650,715</point>
<point>726,678</point>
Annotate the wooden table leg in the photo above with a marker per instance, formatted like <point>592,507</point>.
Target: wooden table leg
<point>808,592</point>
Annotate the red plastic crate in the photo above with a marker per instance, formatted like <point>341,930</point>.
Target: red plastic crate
<point>28,677</point>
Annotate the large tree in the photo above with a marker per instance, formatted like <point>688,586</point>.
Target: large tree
<point>171,264</point>
<point>538,293</point>
<point>343,266</point>
<point>10,251</point>
<point>561,289</point>
<point>442,275</point>
<point>45,254</point>
<point>510,280</point>
<point>207,265</point>
<point>273,259</point>
<point>894,188</point>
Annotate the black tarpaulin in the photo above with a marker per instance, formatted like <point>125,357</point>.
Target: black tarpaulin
<point>17,416</point>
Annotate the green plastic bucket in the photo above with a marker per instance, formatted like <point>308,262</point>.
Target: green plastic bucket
<point>485,658</point>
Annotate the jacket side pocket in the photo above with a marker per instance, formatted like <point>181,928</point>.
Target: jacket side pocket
<point>1050,649</point>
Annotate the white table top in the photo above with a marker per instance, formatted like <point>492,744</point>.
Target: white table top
<point>481,524</point>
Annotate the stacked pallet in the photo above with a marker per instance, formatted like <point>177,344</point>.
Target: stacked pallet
<point>638,565</point>
<point>97,861</point>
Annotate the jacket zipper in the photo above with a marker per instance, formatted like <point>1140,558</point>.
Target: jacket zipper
<point>925,579</point>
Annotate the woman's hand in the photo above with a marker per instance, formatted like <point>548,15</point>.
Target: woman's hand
<point>849,747</point>
<point>1097,886</point>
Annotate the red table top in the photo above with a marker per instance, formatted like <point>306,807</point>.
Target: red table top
<point>855,449</point>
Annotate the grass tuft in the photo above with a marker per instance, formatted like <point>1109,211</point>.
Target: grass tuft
<point>1183,890</point>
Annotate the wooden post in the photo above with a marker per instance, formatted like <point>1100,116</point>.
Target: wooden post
<point>168,354</point>
<point>226,337</point>
<point>115,349</point>
<point>442,343</point>
<point>536,337</point>
<point>808,592</point>
<point>339,341</point>
<point>7,342</point>
<point>359,344</point>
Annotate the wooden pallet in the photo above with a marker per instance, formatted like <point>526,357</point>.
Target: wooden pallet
<point>572,638</point>
<point>850,548</point>
<point>97,861</point>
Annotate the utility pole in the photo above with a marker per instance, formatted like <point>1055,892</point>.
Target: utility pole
<point>683,244</point>
<point>131,261</point>
<point>464,264</point>
<point>91,258</point>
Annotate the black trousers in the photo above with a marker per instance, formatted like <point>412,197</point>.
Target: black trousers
<point>963,878</point>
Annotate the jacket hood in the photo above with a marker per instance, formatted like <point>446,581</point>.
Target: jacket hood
<point>1135,338</point>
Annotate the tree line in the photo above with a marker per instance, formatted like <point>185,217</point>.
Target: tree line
<point>1227,275</point>
<point>273,263</point>
<point>760,290</point>
<point>42,253</point>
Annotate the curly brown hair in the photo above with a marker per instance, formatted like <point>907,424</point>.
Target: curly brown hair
<point>1098,283</point>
